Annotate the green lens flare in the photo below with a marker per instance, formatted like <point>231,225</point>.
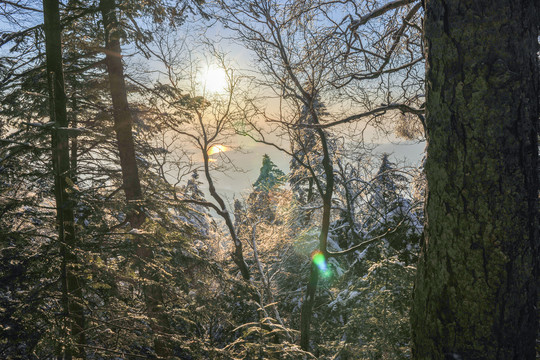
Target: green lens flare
<point>320,261</point>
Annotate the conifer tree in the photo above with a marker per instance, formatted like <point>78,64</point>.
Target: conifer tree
<point>270,176</point>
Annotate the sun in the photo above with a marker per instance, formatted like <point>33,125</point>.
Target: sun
<point>217,149</point>
<point>214,79</point>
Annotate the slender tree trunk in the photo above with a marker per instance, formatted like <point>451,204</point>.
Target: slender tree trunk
<point>71,291</point>
<point>475,292</point>
<point>307,306</point>
<point>123,123</point>
<point>238,253</point>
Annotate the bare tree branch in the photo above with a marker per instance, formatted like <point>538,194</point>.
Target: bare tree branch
<point>355,24</point>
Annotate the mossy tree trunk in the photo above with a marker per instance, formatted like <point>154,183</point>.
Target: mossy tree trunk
<point>475,292</point>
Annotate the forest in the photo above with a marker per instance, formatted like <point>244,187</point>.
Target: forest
<point>228,179</point>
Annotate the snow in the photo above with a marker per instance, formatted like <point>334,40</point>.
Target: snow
<point>361,255</point>
<point>138,232</point>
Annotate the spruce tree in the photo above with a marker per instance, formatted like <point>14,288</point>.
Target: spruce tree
<point>270,176</point>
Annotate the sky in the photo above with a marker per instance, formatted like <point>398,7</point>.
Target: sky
<point>234,184</point>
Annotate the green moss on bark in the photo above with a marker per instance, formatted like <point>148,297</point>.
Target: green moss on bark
<point>475,290</point>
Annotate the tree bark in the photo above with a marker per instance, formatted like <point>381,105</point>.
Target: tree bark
<point>475,291</point>
<point>71,290</point>
<point>123,124</point>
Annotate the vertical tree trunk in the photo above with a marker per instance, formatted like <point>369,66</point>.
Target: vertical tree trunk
<point>475,292</point>
<point>123,123</point>
<point>307,306</point>
<point>71,291</point>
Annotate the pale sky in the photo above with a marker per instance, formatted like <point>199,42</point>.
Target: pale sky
<point>250,160</point>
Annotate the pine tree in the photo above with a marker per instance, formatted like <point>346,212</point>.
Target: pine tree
<point>270,176</point>
<point>391,209</point>
<point>110,286</point>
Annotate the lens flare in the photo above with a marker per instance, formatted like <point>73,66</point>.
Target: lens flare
<point>320,261</point>
<point>217,149</point>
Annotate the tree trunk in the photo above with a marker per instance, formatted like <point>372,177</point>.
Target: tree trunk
<point>475,291</point>
<point>306,312</point>
<point>71,290</point>
<point>238,253</point>
<point>123,123</point>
